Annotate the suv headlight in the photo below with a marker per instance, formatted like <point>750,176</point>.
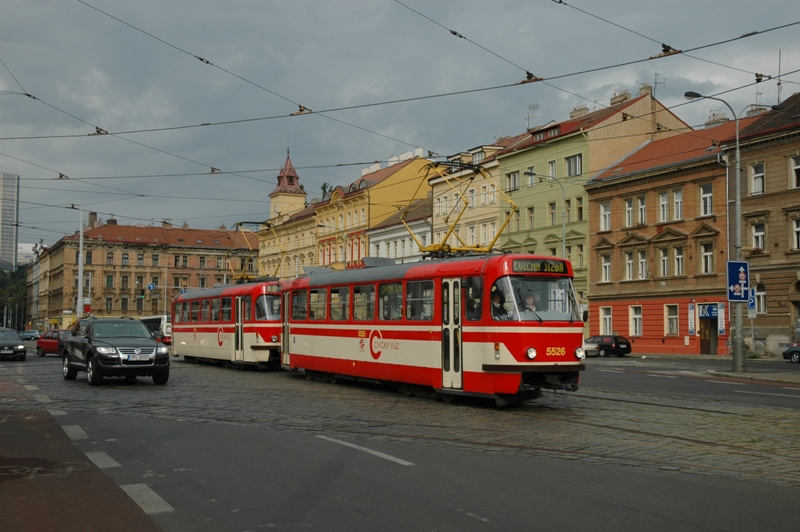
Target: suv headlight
<point>162,350</point>
<point>106,350</point>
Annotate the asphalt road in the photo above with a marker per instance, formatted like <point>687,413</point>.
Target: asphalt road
<point>219,449</point>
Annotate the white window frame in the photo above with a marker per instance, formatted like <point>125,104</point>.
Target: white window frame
<point>796,233</point>
<point>635,316</point>
<point>671,321</point>
<point>761,298</point>
<point>794,172</point>
<point>605,268</point>
<point>757,178</point>
<point>706,200</point>
<point>759,236</point>
<point>606,323</point>
<point>663,206</point>
<point>706,257</point>
<point>574,165</point>
<point>642,264</point>
<point>664,262</point>
<point>642,210</point>
<point>677,204</point>
<point>677,254</point>
<point>605,216</point>
<point>629,212</point>
<point>629,265</point>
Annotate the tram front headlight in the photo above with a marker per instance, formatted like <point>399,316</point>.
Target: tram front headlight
<point>531,353</point>
<point>580,353</point>
<point>274,338</point>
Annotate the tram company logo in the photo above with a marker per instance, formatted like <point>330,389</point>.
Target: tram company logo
<point>377,344</point>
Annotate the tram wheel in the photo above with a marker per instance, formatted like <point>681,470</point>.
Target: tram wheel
<point>333,379</point>
<point>447,397</point>
<point>407,389</point>
<point>309,375</point>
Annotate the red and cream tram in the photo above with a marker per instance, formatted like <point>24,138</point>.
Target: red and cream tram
<point>238,324</point>
<point>459,326</point>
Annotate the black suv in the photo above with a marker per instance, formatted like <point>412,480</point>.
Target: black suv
<point>114,347</point>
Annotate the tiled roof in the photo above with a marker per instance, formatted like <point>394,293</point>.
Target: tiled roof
<point>288,180</point>
<point>679,149</point>
<point>573,125</point>
<point>418,210</point>
<point>174,237</point>
<point>786,117</point>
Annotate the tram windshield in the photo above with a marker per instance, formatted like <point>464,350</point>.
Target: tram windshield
<point>268,307</point>
<point>534,299</point>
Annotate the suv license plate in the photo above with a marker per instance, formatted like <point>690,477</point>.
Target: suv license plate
<point>138,357</point>
<point>6,351</point>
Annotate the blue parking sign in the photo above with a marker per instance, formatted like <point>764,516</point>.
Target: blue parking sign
<point>738,280</point>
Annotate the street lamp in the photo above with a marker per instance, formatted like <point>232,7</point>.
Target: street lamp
<point>564,187</point>
<point>739,363</point>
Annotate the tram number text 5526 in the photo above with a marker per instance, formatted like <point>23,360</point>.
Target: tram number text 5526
<point>555,352</point>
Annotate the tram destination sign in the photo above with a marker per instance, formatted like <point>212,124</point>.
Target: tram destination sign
<point>538,266</point>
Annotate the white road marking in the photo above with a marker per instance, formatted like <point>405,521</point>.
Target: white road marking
<point>102,460</point>
<point>764,393</point>
<point>31,387</point>
<point>147,499</point>
<point>42,398</point>
<point>661,376</point>
<point>75,432</point>
<point>57,412</point>
<point>727,382</point>
<point>366,450</point>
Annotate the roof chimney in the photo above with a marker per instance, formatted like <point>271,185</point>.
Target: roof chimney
<point>646,89</point>
<point>186,225</point>
<point>578,111</point>
<point>623,96</point>
<point>111,221</point>
<point>92,220</point>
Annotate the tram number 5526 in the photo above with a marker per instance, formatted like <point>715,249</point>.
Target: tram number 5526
<point>555,352</point>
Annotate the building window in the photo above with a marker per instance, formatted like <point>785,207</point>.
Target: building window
<point>677,204</point>
<point>530,218</point>
<point>678,254</point>
<point>580,256</point>
<point>471,198</point>
<point>579,208</point>
<point>220,262</point>
<point>531,176</point>
<point>706,200</point>
<point>492,194</point>
<point>629,212</point>
<point>88,257</point>
<point>512,181</point>
<point>202,262</point>
<point>109,303</point>
<point>109,258</point>
<point>758,237</point>
<point>574,165</point>
<point>671,320</point>
<point>124,282</point>
<point>109,281</point>
<point>628,265</point>
<point>663,206</point>
<point>185,261</point>
<point>636,320</point>
<point>551,212</point>
<point>155,281</point>
<point>155,261</point>
<point>471,235</point>
<point>605,320</point>
<point>552,168</point>
<point>140,259</point>
<point>795,172</point>
<point>796,233</point>
<point>124,259</point>
<point>642,212</point>
<point>761,299</point>
<point>706,258</point>
<point>568,210</point>
<point>124,304</point>
<point>605,268</point>
<point>663,258</point>
<point>756,179</point>
<point>605,217</point>
<point>484,195</point>
<point>642,265</point>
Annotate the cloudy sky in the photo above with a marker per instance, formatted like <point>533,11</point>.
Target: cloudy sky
<point>183,86</point>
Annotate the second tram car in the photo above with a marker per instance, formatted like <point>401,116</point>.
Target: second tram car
<point>498,326</point>
<point>237,324</point>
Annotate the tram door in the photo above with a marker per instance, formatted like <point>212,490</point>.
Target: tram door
<point>241,310</point>
<point>285,356</point>
<point>451,334</point>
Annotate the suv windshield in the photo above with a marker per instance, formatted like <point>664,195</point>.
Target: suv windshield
<point>534,299</point>
<point>126,329</point>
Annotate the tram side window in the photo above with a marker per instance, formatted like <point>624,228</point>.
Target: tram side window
<point>267,307</point>
<point>473,287</point>
<point>195,311</point>
<point>247,304</point>
<point>176,312</point>
<point>340,303</point>
<point>419,300</point>
<point>226,309</point>
<point>391,301</point>
<point>364,303</point>
<point>215,310</point>
<point>205,314</point>
<point>186,307</point>
<point>299,299</point>
<point>318,302</point>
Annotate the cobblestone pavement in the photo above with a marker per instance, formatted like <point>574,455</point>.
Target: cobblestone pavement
<point>632,429</point>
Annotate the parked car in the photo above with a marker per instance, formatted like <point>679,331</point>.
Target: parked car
<point>793,353</point>
<point>604,345</point>
<point>114,347</point>
<point>51,342</point>
<point>11,345</point>
<point>31,334</point>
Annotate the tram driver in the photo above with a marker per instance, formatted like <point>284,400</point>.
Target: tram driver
<point>498,304</point>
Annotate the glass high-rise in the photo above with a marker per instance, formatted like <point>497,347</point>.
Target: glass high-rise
<point>9,209</point>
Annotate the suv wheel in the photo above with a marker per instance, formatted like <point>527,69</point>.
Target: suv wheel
<point>602,352</point>
<point>40,351</point>
<point>93,374</point>
<point>69,372</point>
<point>161,378</point>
